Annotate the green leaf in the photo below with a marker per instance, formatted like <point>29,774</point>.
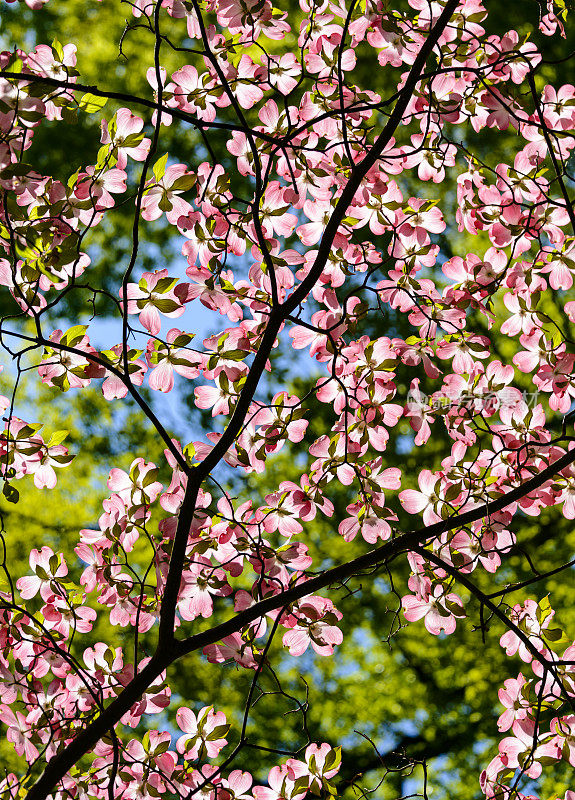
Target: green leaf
<point>183,339</point>
<point>184,183</point>
<point>165,203</point>
<point>189,453</point>
<point>150,477</point>
<point>13,170</point>
<point>70,116</point>
<point>39,89</point>
<point>159,168</point>
<point>544,609</point>
<point>161,747</point>
<point>218,733</point>
<point>301,784</point>
<point>167,305</point>
<point>90,103</point>
<point>57,438</point>
<point>74,335</point>
<point>58,50</point>
<point>10,493</point>
<point>133,140</point>
<point>333,759</point>
<point>165,284</point>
